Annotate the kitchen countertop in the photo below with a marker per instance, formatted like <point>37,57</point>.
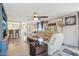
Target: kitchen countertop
<point>45,36</point>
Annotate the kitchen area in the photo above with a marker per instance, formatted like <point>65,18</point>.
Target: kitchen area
<point>35,34</point>
<point>29,32</point>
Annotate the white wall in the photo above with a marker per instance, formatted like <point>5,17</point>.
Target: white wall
<point>71,34</point>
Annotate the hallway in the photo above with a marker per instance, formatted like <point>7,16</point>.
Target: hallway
<point>18,48</point>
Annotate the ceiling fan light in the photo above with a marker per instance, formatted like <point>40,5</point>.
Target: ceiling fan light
<point>35,18</point>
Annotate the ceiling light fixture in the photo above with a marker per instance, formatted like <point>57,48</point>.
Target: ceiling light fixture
<point>35,17</point>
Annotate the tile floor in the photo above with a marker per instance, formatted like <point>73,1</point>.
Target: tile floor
<point>18,48</point>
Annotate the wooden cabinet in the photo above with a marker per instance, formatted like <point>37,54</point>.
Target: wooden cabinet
<point>38,50</point>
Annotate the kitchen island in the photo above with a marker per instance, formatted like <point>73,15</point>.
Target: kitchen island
<point>39,50</point>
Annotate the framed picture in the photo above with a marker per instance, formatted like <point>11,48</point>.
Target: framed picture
<point>70,20</point>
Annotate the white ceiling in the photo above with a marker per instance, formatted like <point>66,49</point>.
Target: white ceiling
<point>22,11</point>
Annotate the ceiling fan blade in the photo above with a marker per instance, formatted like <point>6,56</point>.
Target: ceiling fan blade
<point>42,16</point>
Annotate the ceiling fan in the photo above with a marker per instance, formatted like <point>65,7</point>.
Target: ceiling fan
<point>36,17</point>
